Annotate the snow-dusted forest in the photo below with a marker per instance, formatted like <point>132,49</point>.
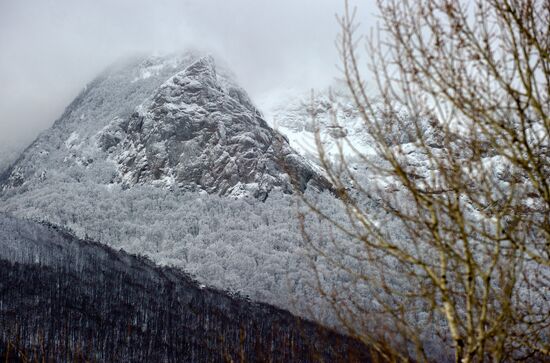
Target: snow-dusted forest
<point>240,245</point>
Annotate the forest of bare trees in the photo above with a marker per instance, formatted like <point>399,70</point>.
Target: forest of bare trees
<point>65,300</point>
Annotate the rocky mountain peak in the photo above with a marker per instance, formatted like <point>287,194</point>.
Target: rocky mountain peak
<point>200,132</point>
<point>191,128</point>
<point>202,71</point>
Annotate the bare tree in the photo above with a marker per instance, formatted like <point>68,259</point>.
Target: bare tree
<point>448,241</point>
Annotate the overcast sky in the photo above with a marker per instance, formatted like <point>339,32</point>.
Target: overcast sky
<point>49,49</point>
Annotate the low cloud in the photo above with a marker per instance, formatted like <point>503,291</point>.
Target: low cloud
<point>50,49</point>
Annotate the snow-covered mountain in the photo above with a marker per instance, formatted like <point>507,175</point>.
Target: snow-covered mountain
<point>146,157</point>
<point>176,122</point>
<point>167,157</point>
<point>331,114</point>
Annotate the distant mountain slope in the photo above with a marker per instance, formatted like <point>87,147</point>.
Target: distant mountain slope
<point>342,131</point>
<point>64,299</point>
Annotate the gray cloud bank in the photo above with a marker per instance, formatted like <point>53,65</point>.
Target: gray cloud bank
<point>49,49</point>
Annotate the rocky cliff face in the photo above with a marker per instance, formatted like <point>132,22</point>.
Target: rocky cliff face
<point>199,131</point>
<point>172,122</point>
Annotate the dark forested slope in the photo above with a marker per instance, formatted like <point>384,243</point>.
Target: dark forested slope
<point>64,299</point>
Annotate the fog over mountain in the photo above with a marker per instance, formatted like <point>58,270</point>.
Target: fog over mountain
<point>50,49</point>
